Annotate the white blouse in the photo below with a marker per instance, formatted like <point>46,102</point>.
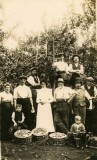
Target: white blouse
<point>44,95</point>
<point>22,92</point>
<point>61,66</point>
<point>63,93</point>
<point>4,97</point>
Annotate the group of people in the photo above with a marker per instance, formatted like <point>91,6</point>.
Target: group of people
<point>67,107</point>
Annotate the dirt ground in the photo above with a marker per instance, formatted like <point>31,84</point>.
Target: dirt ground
<point>43,151</point>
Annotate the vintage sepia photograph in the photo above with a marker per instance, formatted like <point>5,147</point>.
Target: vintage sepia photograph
<point>48,79</point>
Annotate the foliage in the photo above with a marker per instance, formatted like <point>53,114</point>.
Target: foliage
<point>75,36</point>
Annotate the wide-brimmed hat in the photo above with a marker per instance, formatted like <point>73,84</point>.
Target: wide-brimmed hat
<point>59,55</point>
<point>60,80</point>
<point>33,68</point>
<point>90,79</point>
<point>78,80</point>
<point>22,77</point>
<point>75,55</point>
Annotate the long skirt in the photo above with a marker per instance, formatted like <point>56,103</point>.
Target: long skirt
<point>26,108</point>
<point>45,117</point>
<point>6,122</point>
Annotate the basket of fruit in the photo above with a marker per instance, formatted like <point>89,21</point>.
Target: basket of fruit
<point>40,134</point>
<point>57,138</point>
<point>93,142</point>
<point>23,136</point>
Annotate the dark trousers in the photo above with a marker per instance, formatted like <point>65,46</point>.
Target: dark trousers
<point>61,117</point>
<point>89,120</point>
<point>94,120</point>
<point>80,111</point>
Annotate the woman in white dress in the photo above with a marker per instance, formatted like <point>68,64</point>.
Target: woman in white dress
<point>44,112</point>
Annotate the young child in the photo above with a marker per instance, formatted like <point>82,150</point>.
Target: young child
<point>78,132</point>
<point>18,120</point>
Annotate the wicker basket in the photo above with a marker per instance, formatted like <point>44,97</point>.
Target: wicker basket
<point>57,138</point>
<point>23,136</point>
<point>40,134</point>
<point>93,142</point>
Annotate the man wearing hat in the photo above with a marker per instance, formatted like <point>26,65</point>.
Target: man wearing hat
<point>23,96</point>
<point>79,101</point>
<point>90,115</point>
<point>89,86</point>
<point>62,95</point>
<point>34,84</point>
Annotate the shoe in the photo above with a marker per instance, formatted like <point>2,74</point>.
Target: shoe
<point>82,148</point>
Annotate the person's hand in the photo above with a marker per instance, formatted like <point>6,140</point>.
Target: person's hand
<point>33,110</point>
<point>42,103</point>
<point>15,124</point>
<point>20,121</point>
<point>90,108</point>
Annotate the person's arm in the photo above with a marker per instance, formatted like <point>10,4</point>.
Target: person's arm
<point>13,119</point>
<point>12,101</point>
<point>31,81</point>
<point>55,95</point>
<point>83,128</point>
<point>95,92</point>
<point>72,94</point>
<point>89,98</point>
<point>0,98</point>
<point>81,70</point>
<point>72,129</point>
<point>71,70</point>
<point>67,68</point>
<point>15,97</point>
<point>31,101</point>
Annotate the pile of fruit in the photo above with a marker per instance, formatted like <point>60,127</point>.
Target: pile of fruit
<point>39,131</point>
<point>58,135</point>
<point>22,133</point>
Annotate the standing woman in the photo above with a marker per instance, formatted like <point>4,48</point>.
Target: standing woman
<point>6,101</point>
<point>44,112</point>
<point>23,96</point>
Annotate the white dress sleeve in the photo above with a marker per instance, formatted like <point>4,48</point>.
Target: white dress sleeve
<point>15,95</point>
<point>31,80</point>
<point>29,93</point>
<point>38,99</point>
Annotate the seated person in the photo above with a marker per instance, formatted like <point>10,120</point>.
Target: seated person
<point>18,120</point>
<point>60,67</point>
<point>76,67</point>
<point>78,132</point>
